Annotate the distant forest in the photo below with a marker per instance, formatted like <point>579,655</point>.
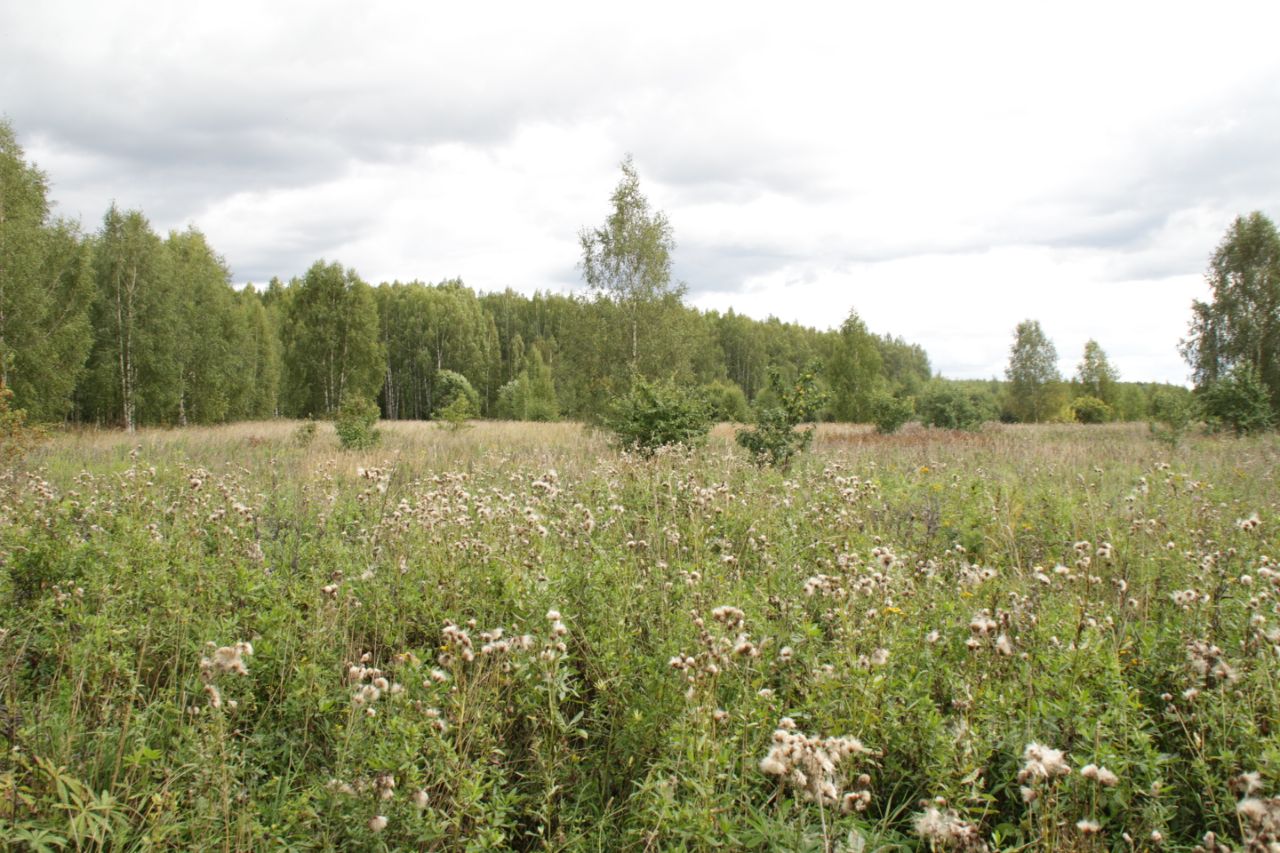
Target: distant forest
<point>124,327</point>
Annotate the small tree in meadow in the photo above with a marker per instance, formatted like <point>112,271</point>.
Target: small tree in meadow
<point>1172,413</point>
<point>449,386</point>
<point>947,406</point>
<point>1091,410</point>
<point>1238,401</point>
<point>355,423</point>
<point>778,436</point>
<point>889,413</point>
<point>658,414</point>
<point>16,435</point>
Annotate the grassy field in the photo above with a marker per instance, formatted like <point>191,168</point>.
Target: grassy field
<point>513,637</point>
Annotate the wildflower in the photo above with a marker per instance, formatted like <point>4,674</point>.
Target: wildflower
<point>215,698</point>
<point>553,615</point>
<point>420,799</point>
<point>1249,524</point>
<point>1101,775</point>
<point>880,657</point>
<point>227,659</point>
<point>1088,827</point>
<point>1042,763</point>
<point>946,830</point>
<point>932,637</point>
<point>377,823</point>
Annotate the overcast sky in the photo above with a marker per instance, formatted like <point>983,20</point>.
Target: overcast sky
<point>946,170</point>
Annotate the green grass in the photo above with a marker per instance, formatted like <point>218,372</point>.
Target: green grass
<point>859,574</point>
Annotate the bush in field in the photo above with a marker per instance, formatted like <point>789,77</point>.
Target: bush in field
<point>949,407</point>
<point>449,386</point>
<point>531,395</point>
<point>16,435</point>
<point>1091,410</point>
<point>454,416</point>
<point>1238,402</point>
<point>659,414</point>
<point>889,413</point>
<point>1172,413</point>
<point>305,434</point>
<point>355,423</point>
<point>726,401</point>
<point>777,435</point>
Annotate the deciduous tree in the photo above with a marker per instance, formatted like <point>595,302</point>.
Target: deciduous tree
<point>1240,324</point>
<point>1034,393</point>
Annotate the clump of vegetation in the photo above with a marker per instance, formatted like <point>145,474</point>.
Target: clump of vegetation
<point>659,414</point>
<point>450,386</point>
<point>1090,410</point>
<point>456,416</point>
<point>726,401</point>
<point>305,433</point>
<point>16,435</point>
<point>947,406</point>
<point>559,647</point>
<point>1238,401</point>
<point>779,433</point>
<point>356,423</point>
<point>1172,414</point>
<point>890,413</point>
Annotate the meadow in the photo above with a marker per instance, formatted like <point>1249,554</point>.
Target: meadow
<point>516,637</point>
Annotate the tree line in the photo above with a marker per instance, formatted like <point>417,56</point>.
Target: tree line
<point>124,327</point>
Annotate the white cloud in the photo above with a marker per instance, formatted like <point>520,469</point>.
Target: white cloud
<point>946,169</point>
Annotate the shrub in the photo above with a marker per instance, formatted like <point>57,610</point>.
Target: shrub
<point>16,435</point>
<point>889,413</point>
<point>776,437</point>
<point>658,414</point>
<point>305,433</point>
<point>1171,415</point>
<point>449,385</point>
<point>949,407</point>
<point>726,401</point>
<point>454,416</point>
<point>1091,410</point>
<point>1238,401</point>
<point>355,423</point>
<point>530,396</point>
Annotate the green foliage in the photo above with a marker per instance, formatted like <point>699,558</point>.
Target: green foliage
<point>659,414</point>
<point>628,261</point>
<point>330,337</point>
<point>1095,375</point>
<point>305,433</point>
<point>134,376</point>
<point>1034,383</point>
<point>947,406</point>
<point>1240,325</point>
<point>890,413</point>
<point>456,415</point>
<point>778,436</point>
<point>1237,401</point>
<point>726,402</point>
<point>16,435</point>
<point>356,423</point>
<point>531,396</point>
<point>698,603</point>
<point>853,371</point>
<point>46,287</point>
<point>1172,412</point>
<point>1090,410</point>
<point>449,387</point>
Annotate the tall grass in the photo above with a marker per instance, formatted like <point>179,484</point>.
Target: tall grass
<point>513,637</point>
